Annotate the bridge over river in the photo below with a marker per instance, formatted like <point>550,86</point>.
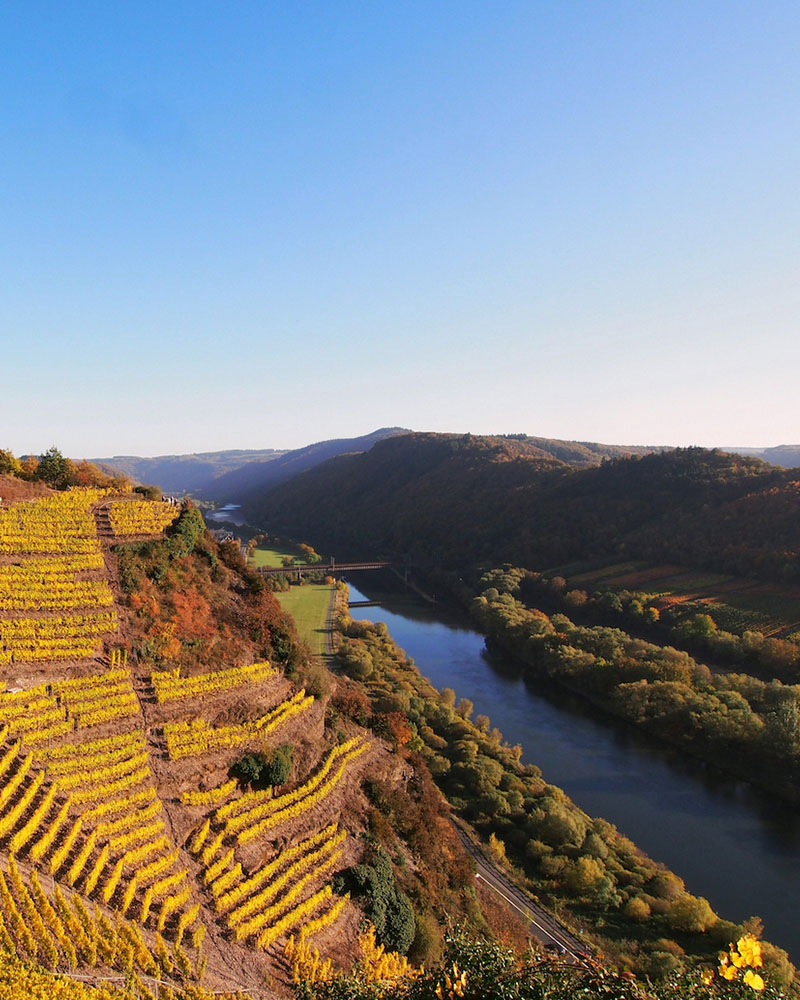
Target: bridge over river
<point>331,568</point>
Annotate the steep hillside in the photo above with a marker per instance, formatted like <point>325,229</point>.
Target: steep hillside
<point>451,501</point>
<point>247,483</point>
<point>234,476</point>
<point>147,673</point>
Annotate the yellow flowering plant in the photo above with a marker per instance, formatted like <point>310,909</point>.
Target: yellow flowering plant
<point>742,958</point>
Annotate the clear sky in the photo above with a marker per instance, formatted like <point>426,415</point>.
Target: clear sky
<point>261,224</point>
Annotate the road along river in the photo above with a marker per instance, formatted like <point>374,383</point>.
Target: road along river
<point>731,844</point>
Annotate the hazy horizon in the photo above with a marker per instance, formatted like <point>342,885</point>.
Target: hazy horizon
<point>317,440</point>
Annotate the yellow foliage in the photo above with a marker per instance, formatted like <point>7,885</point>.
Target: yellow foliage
<point>380,966</point>
<point>307,967</point>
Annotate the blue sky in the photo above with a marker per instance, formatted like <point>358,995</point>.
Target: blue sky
<point>264,224</point>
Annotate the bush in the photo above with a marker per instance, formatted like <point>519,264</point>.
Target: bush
<point>692,913</point>
<point>184,532</point>
<point>148,492</point>
<point>637,909</point>
<point>258,769</point>
<point>316,679</point>
<point>387,907</point>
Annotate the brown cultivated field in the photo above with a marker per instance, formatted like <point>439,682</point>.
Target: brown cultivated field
<point>735,603</point>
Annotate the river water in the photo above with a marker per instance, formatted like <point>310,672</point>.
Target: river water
<point>231,513</point>
<point>735,846</point>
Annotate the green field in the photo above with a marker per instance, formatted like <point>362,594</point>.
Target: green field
<point>273,557</point>
<point>308,605</point>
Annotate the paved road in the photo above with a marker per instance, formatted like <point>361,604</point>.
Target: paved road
<point>542,924</point>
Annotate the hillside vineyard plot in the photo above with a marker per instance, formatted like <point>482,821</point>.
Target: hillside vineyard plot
<point>55,599</point>
<point>140,517</point>
<point>92,872</point>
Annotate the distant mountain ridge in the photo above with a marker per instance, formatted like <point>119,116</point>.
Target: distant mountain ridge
<point>254,477</point>
<point>227,475</point>
<point>184,473</point>
<point>786,456</point>
<point>245,475</point>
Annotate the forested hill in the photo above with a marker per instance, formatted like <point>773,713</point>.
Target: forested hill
<point>454,500</point>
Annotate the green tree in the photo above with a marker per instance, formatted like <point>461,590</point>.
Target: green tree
<point>53,469</point>
<point>249,768</point>
<point>387,906</point>
<point>585,875</point>
<point>185,532</point>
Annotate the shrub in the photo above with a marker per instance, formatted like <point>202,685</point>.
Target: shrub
<point>148,492</point>
<point>258,769</point>
<point>692,913</point>
<point>637,909</point>
<point>249,768</point>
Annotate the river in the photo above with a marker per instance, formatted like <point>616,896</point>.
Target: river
<point>737,847</point>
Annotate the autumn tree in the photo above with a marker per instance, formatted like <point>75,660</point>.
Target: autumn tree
<point>9,464</point>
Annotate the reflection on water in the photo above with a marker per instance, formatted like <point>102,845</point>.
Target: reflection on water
<point>731,844</point>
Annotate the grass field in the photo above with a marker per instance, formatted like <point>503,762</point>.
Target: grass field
<point>272,557</point>
<point>308,605</point>
<point>734,603</point>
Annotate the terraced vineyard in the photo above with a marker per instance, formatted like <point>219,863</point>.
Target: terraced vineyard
<point>102,863</point>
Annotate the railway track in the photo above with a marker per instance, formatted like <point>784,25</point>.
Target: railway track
<point>542,924</point>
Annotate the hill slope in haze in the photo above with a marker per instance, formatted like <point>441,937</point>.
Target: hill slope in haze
<point>235,476</point>
<point>256,476</point>
<point>184,473</point>
<point>787,456</point>
<point>453,500</point>
<point>228,475</point>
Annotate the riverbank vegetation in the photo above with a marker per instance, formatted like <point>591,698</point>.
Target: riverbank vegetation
<point>732,719</point>
<point>703,627</point>
<point>735,603</point>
